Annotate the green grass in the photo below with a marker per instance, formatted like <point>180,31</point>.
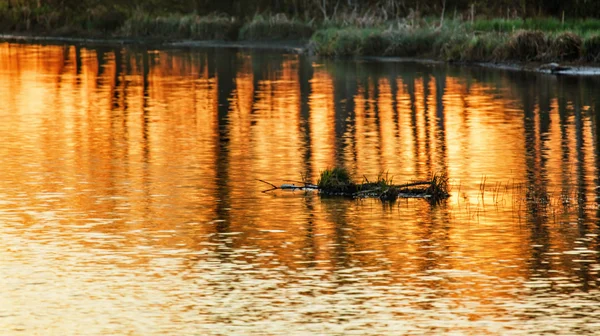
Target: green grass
<point>348,34</point>
<point>103,19</point>
<point>439,187</point>
<point>543,24</point>
<point>383,187</point>
<point>591,48</point>
<point>214,27</point>
<point>25,18</point>
<point>565,46</point>
<point>527,45</point>
<point>474,47</point>
<point>458,43</point>
<point>275,27</point>
<point>407,42</point>
<point>336,180</point>
<point>425,42</point>
<point>493,40</point>
<point>345,41</point>
<point>354,19</point>
<point>45,20</point>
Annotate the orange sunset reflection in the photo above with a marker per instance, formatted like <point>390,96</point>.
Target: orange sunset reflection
<point>156,156</point>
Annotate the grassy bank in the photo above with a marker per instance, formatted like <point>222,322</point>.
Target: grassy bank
<point>481,41</point>
<point>99,21</point>
<point>344,35</point>
<point>215,27</point>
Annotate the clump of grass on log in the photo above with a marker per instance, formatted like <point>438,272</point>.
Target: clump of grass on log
<point>276,27</point>
<point>336,180</point>
<point>439,186</point>
<point>382,187</point>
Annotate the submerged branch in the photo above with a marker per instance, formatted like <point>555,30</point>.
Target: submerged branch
<point>414,184</point>
<point>307,186</point>
<point>269,183</point>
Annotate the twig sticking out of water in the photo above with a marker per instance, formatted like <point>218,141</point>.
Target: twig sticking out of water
<point>307,186</point>
<point>274,187</point>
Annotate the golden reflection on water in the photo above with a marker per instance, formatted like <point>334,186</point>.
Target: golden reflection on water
<point>129,194</point>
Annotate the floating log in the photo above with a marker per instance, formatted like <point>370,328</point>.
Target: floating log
<point>337,182</point>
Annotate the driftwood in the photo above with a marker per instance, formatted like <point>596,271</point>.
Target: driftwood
<point>434,189</point>
<point>292,187</point>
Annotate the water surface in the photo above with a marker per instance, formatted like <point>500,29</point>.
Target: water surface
<point>129,200</point>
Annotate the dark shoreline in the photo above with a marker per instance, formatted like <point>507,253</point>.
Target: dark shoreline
<point>297,47</point>
<point>290,46</point>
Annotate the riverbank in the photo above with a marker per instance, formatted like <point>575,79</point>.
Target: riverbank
<point>460,42</point>
<point>526,43</point>
<point>297,47</point>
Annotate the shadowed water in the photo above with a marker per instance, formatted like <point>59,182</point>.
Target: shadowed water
<point>129,200</point>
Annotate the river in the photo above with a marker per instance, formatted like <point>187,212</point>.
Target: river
<point>130,202</point>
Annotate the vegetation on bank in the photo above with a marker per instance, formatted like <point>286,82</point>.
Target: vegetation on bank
<point>73,11</point>
<point>459,43</point>
<point>330,32</point>
<point>180,27</point>
<point>275,27</point>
